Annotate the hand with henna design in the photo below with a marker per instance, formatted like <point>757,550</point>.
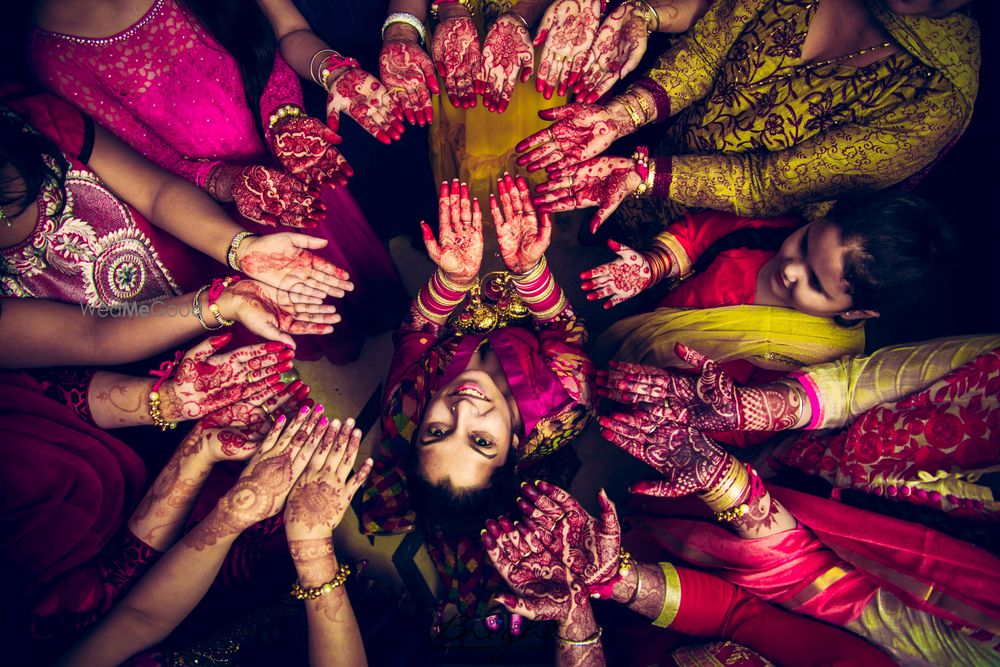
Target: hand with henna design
<point>236,430</point>
<point>284,262</point>
<point>207,380</point>
<point>273,198</point>
<point>588,546</point>
<point>604,182</point>
<point>709,401</point>
<point>458,251</point>
<point>261,489</point>
<point>689,460</point>
<point>616,51</point>
<point>408,73</point>
<point>628,275</point>
<point>581,131</point>
<point>567,30</point>
<point>323,493</point>
<point>522,236</point>
<point>507,51</point>
<point>268,312</point>
<point>305,148</point>
<point>455,47</point>
<point>360,95</point>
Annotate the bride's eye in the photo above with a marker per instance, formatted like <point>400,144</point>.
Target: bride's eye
<point>482,442</point>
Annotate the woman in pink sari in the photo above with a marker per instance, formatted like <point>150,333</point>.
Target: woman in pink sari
<point>212,113</point>
<point>921,429</point>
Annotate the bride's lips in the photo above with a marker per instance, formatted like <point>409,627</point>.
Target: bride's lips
<point>470,389</point>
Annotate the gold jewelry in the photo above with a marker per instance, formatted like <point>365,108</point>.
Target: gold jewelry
<point>232,257</point>
<point>300,592</point>
<point>465,3</point>
<point>267,412</point>
<point>4,219</point>
<point>593,639</point>
<point>727,498</point>
<point>196,309</point>
<point>520,18</point>
<point>722,485</point>
<point>625,561</point>
<point>638,587</point>
<point>733,513</point>
<point>312,63</point>
<point>643,104</point>
<point>217,312</point>
<point>554,310</point>
<point>497,308</point>
<point>632,113</point>
<point>156,412</point>
<point>534,273</point>
<point>649,14</point>
<point>284,111</point>
<point>408,19</point>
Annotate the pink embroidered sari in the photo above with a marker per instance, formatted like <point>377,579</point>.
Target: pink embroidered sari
<point>168,89</point>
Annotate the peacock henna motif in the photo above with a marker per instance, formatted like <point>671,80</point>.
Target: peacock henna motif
<point>455,48</point>
<point>408,73</point>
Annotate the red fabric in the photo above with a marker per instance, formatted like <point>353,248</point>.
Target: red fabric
<point>731,280</point>
<point>66,486</point>
<point>711,607</point>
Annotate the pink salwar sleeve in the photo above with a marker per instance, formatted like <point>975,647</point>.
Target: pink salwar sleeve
<point>840,391</point>
<point>282,88</point>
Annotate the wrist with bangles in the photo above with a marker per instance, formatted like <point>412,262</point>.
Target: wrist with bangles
<point>284,111</point>
<point>649,14</point>
<point>233,255</point>
<point>736,488</point>
<point>406,18</point>
<point>605,590</point>
<point>155,405</point>
<point>330,62</point>
<point>438,4</point>
<point>539,291</point>
<point>439,297</point>
<point>592,639</point>
<point>300,592</point>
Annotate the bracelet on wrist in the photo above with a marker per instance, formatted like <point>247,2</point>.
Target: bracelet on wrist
<point>284,111</point>
<point>155,407</point>
<point>333,63</point>
<point>214,292</point>
<point>232,257</point>
<point>649,14</point>
<point>592,639</point>
<point>313,70</point>
<point>435,6</point>
<point>638,587</point>
<point>630,110</point>
<point>300,592</point>
<point>196,309</point>
<point>408,19</point>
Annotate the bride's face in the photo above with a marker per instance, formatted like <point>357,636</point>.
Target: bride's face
<point>467,432</point>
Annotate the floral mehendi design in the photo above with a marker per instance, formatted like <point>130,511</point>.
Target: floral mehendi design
<point>458,250</point>
<point>566,30</point>
<point>455,48</point>
<point>628,275</point>
<point>507,52</point>
<point>616,52</point>
<point>581,131</point>
<point>408,72</point>
<point>523,237</point>
<point>362,97</point>
<point>604,182</point>
<point>274,198</point>
<point>305,148</point>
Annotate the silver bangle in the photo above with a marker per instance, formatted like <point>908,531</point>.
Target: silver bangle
<point>312,63</point>
<point>196,309</point>
<point>408,19</point>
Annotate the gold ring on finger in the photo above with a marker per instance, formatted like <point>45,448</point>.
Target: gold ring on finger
<point>267,412</point>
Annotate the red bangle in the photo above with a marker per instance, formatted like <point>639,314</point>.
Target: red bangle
<point>660,98</point>
<point>663,176</point>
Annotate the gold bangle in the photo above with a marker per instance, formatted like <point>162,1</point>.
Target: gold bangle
<point>722,486</point>
<point>643,104</point>
<point>625,561</point>
<point>196,309</point>
<point>534,273</point>
<point>312,63</point>
<point>554,310</point>
<point>632,113</point>
<point>217,312</point>
<point>649,14</point>
<point>541,296</point>
<point>638,587</point>
<point>283,111</point>
<point>232,257</point>
<point>732,495</point>
<point>593,639</point>
<point>156,412</point>
<point>449,284</point>
<point>300,592</point>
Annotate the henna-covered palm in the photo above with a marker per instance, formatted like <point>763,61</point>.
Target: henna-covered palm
<point>619,280</point>
<point>268,313</point>
<point>273,198</point>
<point>581,131</point>
<point>567,30</point>
<point>234,432</point>
<point>362,97</point>
<point>207,380</point>
<point>305,148</point>
<point>708,401</point>
<point>284,261</point>
<point>458,250</point>
<point>260,491</point>
<point>544,588</point>
<point>689,460</point>
<point>604,182</point>
<point>616,51</point>
<point>588,546</point>
<point>323,493</point>
<point>522,235</point>
<point>507,52</point>
<point>457,56</point>
<point>408,73</point>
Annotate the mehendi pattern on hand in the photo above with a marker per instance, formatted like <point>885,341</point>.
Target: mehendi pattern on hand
<point>458,59</point>
<point>507,52</point>
<point>604,182</point>
<point>362,97</point>
<point>617,49</point>
<point>408,73</point>
<point>523,237</point>
<point>581,131</point>
<point>274,198</point>
<point>567,30</point>
<point>628,275</point>
<point>305,148</point>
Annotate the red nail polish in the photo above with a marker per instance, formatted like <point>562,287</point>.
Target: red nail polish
<point>271,346</point>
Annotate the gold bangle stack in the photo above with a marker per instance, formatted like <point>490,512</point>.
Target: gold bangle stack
<point>465,3</point>
<point>630,110</point>
<point>300,592</point>
<point>593,639</point>
<point>156,412</point>
<point>727,497</point>
<point>533,273</point>
<point>232,257</point>
<point>284,111</point>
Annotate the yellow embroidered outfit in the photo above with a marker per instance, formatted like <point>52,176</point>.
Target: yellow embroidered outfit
<point>758,132</point>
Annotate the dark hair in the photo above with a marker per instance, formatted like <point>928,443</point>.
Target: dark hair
<point>455,512</point>
<point>35,159</point>
<point>897,246</point>
<point>242,30</point>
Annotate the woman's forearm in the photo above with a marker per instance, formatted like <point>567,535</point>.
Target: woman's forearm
<point>119,401</point>
<point>159,601</point>
<point>160,516</point>
<point>579,644</point>
<point>193,217</point>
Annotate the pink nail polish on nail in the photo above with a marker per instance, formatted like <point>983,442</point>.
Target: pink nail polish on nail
<point>304,410</point>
